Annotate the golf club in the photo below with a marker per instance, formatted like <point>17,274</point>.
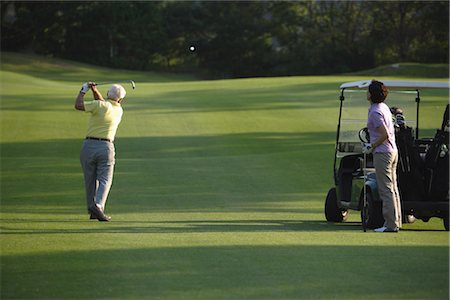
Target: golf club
<point>133,85</point>
<point>365,208</point>
<point>364,138</point>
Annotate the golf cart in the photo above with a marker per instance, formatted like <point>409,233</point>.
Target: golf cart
<point>423,167</point>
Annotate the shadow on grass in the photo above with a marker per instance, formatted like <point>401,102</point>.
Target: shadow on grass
<point>202,226</point>
<point>230,272</point>
<point>13,226</point>
<point>240,226</point>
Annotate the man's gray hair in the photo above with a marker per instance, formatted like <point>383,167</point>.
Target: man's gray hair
<point>116,92</point>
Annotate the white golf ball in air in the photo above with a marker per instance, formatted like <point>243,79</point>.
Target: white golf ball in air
<point>192,48</point>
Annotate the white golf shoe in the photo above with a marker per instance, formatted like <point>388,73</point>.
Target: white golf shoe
<point>385,229</point>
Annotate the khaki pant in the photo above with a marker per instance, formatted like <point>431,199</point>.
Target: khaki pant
<point>386,171</point>
<point>97,160</point>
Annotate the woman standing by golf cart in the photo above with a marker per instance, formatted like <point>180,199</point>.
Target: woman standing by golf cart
<point>385,155</point>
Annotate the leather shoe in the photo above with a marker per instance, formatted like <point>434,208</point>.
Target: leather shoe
<point>96,213</point>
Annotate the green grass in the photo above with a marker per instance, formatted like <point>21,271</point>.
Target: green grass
<point>409,70</point>
<point>218,194</point>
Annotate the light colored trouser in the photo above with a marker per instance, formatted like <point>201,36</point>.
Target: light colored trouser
<point>386,171</point>
<point>97,160</point>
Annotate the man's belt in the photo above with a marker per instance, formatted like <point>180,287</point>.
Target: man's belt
<point>98,139</point>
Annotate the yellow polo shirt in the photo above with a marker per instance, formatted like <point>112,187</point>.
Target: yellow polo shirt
<point>105,118</point>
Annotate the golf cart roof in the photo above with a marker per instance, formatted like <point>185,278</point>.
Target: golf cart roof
<point>399,84</point>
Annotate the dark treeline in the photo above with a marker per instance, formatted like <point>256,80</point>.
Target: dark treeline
<point>232,39</point>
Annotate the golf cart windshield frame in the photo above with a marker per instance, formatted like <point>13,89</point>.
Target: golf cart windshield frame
<point>345,148</point>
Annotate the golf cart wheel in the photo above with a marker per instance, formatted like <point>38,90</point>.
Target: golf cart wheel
<point>446,222</point>
<point>332,211</point>
<point>372,215</point>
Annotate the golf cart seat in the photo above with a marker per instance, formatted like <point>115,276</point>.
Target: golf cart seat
<point>349,168</point>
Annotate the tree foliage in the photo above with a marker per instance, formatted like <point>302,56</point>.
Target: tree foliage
<point>232,38</point>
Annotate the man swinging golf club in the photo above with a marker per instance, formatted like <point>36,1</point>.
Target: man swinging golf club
<point>98,153</point>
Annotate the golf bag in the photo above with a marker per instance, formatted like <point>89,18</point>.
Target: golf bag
<point>436,168</point>
<point>411,182</point>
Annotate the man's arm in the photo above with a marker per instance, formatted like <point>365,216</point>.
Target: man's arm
<point>79,101</point>
<point>97,94</point>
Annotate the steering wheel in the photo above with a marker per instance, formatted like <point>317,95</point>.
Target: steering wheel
<point>363,135</point>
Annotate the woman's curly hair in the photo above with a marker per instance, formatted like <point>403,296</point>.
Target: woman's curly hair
<point>378,91</point>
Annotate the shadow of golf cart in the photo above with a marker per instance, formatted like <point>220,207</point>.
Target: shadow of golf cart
<point>423,167</point>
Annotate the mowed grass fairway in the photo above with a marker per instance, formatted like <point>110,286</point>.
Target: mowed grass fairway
<point>218,194</point>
